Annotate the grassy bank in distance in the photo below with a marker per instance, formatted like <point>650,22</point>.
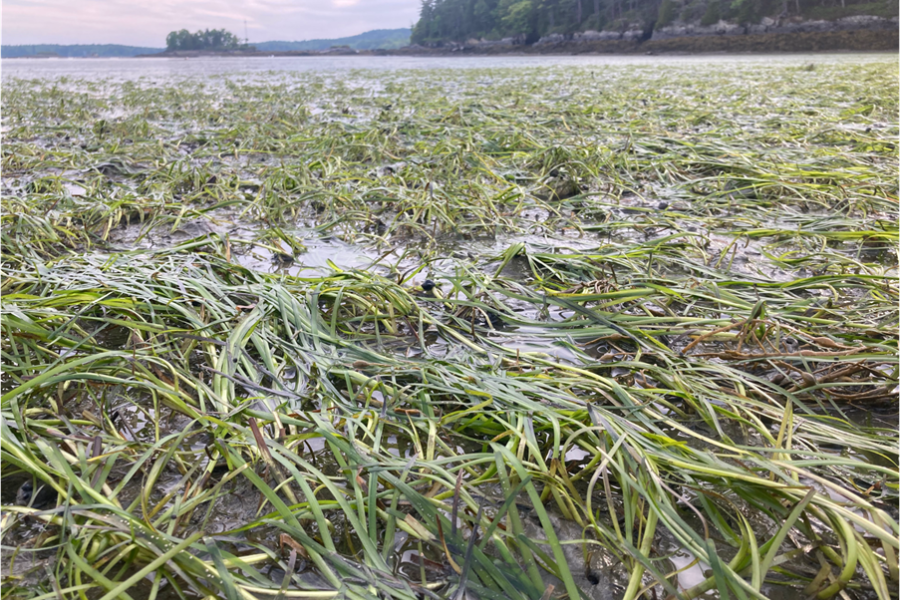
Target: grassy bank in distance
<point>659,358</point>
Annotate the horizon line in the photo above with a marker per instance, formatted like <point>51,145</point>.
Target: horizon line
<point>163,46</point>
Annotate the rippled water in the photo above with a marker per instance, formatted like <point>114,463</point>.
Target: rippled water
<point>135,68</point>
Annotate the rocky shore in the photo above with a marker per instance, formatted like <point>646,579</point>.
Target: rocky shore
<point>856,33</point>
<point>769,25</point>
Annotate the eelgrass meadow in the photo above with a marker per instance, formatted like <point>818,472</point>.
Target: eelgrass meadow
<point>659,358</point>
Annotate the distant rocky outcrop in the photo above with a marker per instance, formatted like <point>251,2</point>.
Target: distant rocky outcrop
<point>769,25</point>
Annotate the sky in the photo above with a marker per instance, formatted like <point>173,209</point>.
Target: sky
<point>147,22</point>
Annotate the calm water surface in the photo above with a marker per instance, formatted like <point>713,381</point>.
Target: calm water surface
<point>136,68</point>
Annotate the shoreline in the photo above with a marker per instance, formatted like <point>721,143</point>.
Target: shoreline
<point>860,40</point>
<point>511,54</point>
<point>849,41</point>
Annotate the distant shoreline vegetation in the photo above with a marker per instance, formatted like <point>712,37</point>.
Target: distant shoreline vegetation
<point>74,51</point>
<point>528,21</point>
<point>376,39</point>
<point>208,39</point>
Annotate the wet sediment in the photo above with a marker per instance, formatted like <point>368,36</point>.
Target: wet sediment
<point>328,331</point>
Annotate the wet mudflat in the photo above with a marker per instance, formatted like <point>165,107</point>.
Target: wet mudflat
<point>614,329</point>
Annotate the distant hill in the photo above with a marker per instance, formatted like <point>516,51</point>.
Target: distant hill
<point>78,51</point>
<point>370,40</point>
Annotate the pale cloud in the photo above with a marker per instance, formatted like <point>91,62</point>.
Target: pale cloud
<point>147,22</point>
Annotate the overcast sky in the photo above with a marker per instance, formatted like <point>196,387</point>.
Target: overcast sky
<point>147,22</point>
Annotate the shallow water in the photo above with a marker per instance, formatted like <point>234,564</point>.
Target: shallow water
<point>137,68</point>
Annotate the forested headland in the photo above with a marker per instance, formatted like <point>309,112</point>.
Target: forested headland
<point>530,20</point>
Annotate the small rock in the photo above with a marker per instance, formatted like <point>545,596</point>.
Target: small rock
<point>42,498</point>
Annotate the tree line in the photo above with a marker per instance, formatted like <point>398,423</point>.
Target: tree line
<point>208,39</point>
<point>459,20</point>
<point>75,50</point>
